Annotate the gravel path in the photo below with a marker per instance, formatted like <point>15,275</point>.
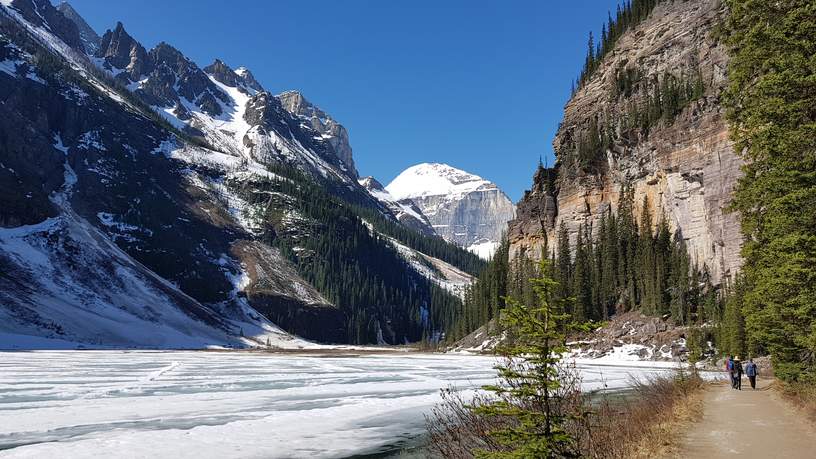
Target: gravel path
<point>749,424</point>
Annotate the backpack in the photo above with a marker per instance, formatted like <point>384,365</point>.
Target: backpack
<point>736,369</point>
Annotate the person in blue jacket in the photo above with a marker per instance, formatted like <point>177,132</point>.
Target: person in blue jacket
<point>729,368</point>
<point>751,372</point>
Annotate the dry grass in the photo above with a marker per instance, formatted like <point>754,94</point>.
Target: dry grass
<point>801,395</point>
<point>650,422</point>
<point>646,423</point>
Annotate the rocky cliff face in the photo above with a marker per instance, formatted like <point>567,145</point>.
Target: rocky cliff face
<point>462,208</point>
<point>90,40</point>
<point>329,129</point>
<point>683,165</point>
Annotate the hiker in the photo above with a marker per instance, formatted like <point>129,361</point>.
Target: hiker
<point>736,373</point>
<point>751,372</point>
<point>729,367</point>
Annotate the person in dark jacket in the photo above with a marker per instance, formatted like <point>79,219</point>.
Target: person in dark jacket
<point>752,372</point>
<point>736,373</point>
<point>729,368</point>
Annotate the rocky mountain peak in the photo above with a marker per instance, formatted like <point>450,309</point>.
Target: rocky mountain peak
<point>42,13</point>
<point>120,51</point>
<point>248,78</point>
<point>371,184</point>
<point>330,130</point>
<point>224,74</point>
<point>90,39</point>
<point>435,179</point>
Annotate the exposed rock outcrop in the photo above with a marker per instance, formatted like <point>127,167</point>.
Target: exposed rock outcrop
<point>337,136</point>
<point>243,80</point>
<point>685,165</point>
<point>90,39</point>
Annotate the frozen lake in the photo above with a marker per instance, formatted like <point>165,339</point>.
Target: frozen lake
<point>68,404</point>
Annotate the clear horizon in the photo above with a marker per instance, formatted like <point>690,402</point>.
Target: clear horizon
<point>477,85</point>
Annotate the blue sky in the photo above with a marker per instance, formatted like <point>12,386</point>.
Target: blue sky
<point>477,84</point>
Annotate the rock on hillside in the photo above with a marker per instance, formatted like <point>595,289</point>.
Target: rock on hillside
<point>626,337</point>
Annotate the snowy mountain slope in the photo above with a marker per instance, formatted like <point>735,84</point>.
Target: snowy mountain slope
<point>439,272</point>
<point>196,194</point>
<point>103,239</point>
<point>231,111</point>
<point>65,280</point>
<point>463,208</point>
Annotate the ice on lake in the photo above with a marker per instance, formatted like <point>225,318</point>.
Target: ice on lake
<point>92,404</point>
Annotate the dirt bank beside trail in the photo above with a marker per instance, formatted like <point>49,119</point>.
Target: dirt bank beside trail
<point>748,424</point>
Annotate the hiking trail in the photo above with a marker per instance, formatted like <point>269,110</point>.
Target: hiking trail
<point>748,424</point>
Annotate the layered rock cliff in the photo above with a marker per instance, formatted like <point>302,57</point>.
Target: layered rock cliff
<point>683,163</point>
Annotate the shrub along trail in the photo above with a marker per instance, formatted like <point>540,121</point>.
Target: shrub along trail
<point>748,424</point>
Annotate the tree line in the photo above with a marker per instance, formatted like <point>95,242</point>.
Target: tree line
<point>770,104</point>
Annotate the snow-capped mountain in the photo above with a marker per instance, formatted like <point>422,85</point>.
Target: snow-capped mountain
<point>462,207</point>
<point>230,110</point>
<point>147,202</point>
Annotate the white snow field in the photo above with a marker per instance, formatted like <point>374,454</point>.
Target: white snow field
<point>188,404</point>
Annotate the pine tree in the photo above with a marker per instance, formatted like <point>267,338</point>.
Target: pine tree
<point>770,102</point>
<point>563,272</point>
<point>532,378</point>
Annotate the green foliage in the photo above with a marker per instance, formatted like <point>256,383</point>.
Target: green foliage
<point>695,343</point>
<point>660,98</point>
<point>732,332</point>
<point>646,102</point>
<point>622,265</point>
<point>770,100</point>
<point>531,378</point>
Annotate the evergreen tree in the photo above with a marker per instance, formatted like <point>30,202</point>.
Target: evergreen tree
<point>733,332</point>
<point>532,379</point>
<point>771,99</point>
<point>581,281</point>
<point>563,272</point>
